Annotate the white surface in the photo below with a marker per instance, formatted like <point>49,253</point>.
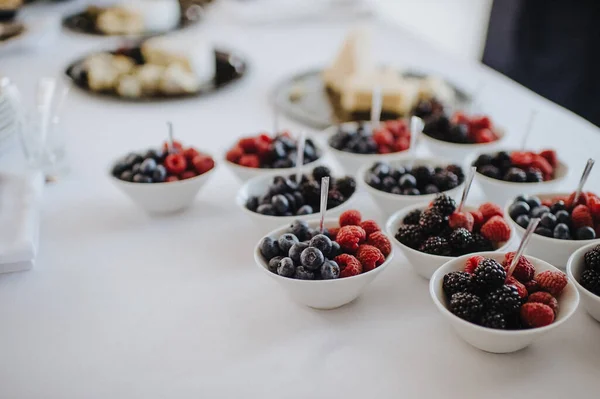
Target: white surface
<point>576,265</point>
<point>498,341</point>
<point>121,305</point>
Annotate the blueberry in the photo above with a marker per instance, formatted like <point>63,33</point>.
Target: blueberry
<point>280,203</point>
<point>431,189</point>
<point>534,175</point>
<point>140,178</point>
<point>132,159</point>
<point>135,169</point>
<point>321,242</point>
<point>119,168</point>
<point>373,180</point>
<point>266,209</point>
<point>585,233</point>
<point>539,211</point>
<point>482,160</point>
<point>269,248</point>
<point>312,258</point>
<point>388,183</point>
<point>518,208</point>
<point>300,229</point>
<point>292,202</point>
<point>407,181</point>
<point>296,251</point>
<point>302,273</point>
<point>330,270</point>
<point>562,232</point>
<point>459,133</point>
<point>252,203</point>
<point>160,174</point>
<point>286,268</point>
<point>516,175</point>
<point>521,198</point>
<point>274,263</point>
<point>335,250</point>
<point>533,202</point>
<point>423,174</point>
<point>558,206</point>
<point>411,191</point>
<point>397,172</point>
<point>286,241</point>
<point>381,170</point>
<point>396,190</point>
<point>299,199</point>
<point>543,231</point>
<point>126,176</point>
<point>523,221</point>
<point>489,171</point>
<point>563,217</point>
<point>157,155</point>
<point>548,220</point>
<point>305,210</point>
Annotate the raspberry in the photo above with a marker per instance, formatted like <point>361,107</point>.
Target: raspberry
<point>350,218</point>
<point>370,257</point>
<point>190,153</point>
<point>545,298</point>
<point>383,137</point>
<point>489,209</point>
<point>594,205</point>
<point>461,219</point>
<point>370,227</point>
<point>518,285</point>
<point>248,144</point>
<point>402,144</point>
<point>550,156</point>
<point>543,165</point>
<point>349,237</point>
<point>203,163</point>
<point>581,216</point>
<point>381,242</point>
<point>349,265</point>
<point>532,286</point>
<point>524,270</point>
<point>522,159</point>
<point>477,219</point>
<point>484,136</point>
<point>472,263</point>
<point>496,229</point>
<point>333,232</point>
<point>249,161</point>
<point>552,281</point>
<point>570,202</point>
<point>535,314</point>
<point>481,122</point>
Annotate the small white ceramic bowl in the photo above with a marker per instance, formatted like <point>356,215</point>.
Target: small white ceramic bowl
<point>425,264</point>
<point>459,152</point>
<point>258,186</point>
<point>168,197</point>
<point>244,173</point>
<point>575,267</point>
<point>549,249</point>
<point>390,203</point>
<point>489,339</point>
<point>352,162</point>
<point>321,294</point>
<point>501,191</point>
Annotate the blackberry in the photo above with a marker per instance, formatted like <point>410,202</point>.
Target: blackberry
<point>590,280</point>
<point>320,172</point>
<point>482,160</point>
<point>334,198</point>
<point>457,282</point>
<point>461,239</point>
<point>410,235</point>
<point>445,180</point>
<point>423,174</point>
<point>467,306</point>
<point>311,190</point>
<point>493,319</point>
<point>444,205</point>
<point>436,246</point>
<point>480,243</point>
<point>592,259</point>
<point>346,186</point>
<point>489,171</point>
<point>534,175</point>
<point>431,221</point>
<point>412,217</point>
<point>489,275</point>
<point>516,175</point>
<point>458,171</point>
<point>505,300</point>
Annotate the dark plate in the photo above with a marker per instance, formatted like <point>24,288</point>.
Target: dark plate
<point>319,108</point>
<point>84,22</point>
<point>230,67</point>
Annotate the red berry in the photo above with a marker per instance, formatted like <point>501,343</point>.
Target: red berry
<point>350,237</point>
<point>171,178</point>
<point>550,156</point>
<point>383,137</point>
<point>481,122</point>
<point>248,144</point>
<point>249,161</point>
<point>384,149</point>
<point>370,257</point>
<point>349,265</point>
<point>370,227</point>
<point>402,144</point>
<point>333,232</point>
<point>175,163</point>
<point>472,263</point>
<point>381,242</point>
<point>484,136</point>
<point>496,229</point>
<point>524,270</point>
<point>552,281</point>
<point>461,219</point>
<point>546,298</point>
<point>263,149</point>
<point>581,217</point>
<point>461,118</point>
<point>350,218</point>
<point>535,314</point>
<point>543,165</point>
<point>203,163</point>
<point>594,205</point>
<point>477,219</point>
<point>265,138</point>
<point>522,159</point>
<point>532,286</point>
<point>234,154</point>
<point>518,285</point>
<point>489,209</point>
<point>176,146</point>
<point>190,152</point>
<point>188,174</point>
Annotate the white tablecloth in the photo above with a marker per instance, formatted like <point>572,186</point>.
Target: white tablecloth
<point>121,305</point>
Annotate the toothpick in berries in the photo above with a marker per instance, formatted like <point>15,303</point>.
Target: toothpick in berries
<point>416,128</point>
<point>524,241</point>
<point>467,188</point>
<point>300,156</point>
<point>376,104</point>
<point>324,195</point>
<point>584,176</point>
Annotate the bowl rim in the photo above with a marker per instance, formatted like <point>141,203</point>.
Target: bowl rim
<point>549,240</point>
<point>163,183</point>
<point>260,262</point>
<point>362,172</point>
<point>499,131</point>
<point>576,255</point>
<point>398,215</point>
<point>331,130</point>
<point>253,180</point>
<point>320,152</point>
<point>530,331</point>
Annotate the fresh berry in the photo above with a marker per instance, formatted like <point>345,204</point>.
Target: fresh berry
<point>496,229</point>
<point>350,237</point>
<point>489,275</point>
<point>493,319</point>
<point>412,217</point>
<point>286,241</point>
<point>461,220</point>
<point>203,163</point>
<point>370,257</point>
<point>521,289</point>
<point>477,219</point>
<point>391,136</point>
<point>436,246</point>
<point>467,306</point>
<point>350,218</point>
<point>534,314</point>
<point>431,221</point>
<point>590,280</point>
<point>381,242</point>
<point>274,263</point>
<point>300,229</point>
<point>472,263</point>
<point>552,281</point>
<point>370,227</point>
<point>532,286</point>
<point>296,251</point>
<point>505,300</point>
<point>582,233</point>
<point>592,259</point>
<point>333,232</point>
<point>461,239</point>
<point>582,217</point>
<point>524,270</point>
<point>175,163</point>
<point>410,235</point>
<point>518,208</point>
<point>330,270</point>
<point>481,244</point>
<point>444,205</point>
<point>545,298</point>
<point>286,268</point>
<point>489,210</point>
<point>304,273</point>
<point>312,258</point>
<point>269,248</point>
<point>346,186</point>
<point>456,282</point>
<point>349,265</point>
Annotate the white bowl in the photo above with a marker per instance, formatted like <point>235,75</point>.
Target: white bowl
<point>245,173</point>
<point>425,264</point>
<point>321,294</point>
<point>390,203</point>
<point>501,191</point>
<point>258,186</point>
<point>459,152</point>
<point>575,267</point>
<point>352,162</point>
<point>549,249</point>
<point>167,197</point>
<point>489,339</point>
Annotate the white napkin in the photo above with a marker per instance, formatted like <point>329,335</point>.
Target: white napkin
<point>20,205</point>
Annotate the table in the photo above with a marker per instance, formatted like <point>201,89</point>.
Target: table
<point>121,305</point>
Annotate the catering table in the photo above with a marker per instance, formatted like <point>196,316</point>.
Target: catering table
<point>123,305</point>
